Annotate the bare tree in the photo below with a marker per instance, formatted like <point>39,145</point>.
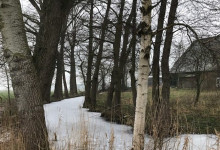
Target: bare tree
<point>24,77</point>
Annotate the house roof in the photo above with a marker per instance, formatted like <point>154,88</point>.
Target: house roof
<point>202,55</point>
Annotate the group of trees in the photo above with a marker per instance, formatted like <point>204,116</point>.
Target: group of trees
<point>100,39</point>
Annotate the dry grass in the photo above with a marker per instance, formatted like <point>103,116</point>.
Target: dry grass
<point>188,119</point>
<point>202,119</point>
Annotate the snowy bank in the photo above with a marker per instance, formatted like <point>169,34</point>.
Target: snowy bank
<point>72,127</point>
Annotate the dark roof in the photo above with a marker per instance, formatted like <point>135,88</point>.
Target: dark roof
<point>202,55</point>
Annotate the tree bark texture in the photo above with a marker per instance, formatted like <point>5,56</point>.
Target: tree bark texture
<point>53,13</point>
<point>24,77</point>
<point>143,72</point>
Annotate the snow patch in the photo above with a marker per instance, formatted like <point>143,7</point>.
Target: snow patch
<point>70,127</point>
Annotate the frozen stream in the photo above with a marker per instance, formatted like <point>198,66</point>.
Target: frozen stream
<point>72,127</point>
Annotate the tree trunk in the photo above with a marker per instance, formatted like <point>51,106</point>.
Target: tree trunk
<point>198,87</point>
<point>73,85</point>
<point>133,61</point>
<point>8,86</point>
<point>87,102</point>
<point>144,69</point>
<point>53,14</point>
<point>165,121</point>
<point>99,57</point>
<point>64,83</point>
<point>166,53</point>
<point>124,55</point>
<point>58,92</point>
<point>156,55</point>
<point>157,126</point>
<point>115,73</point>
<point>25,81</point>
<point>103,80</point>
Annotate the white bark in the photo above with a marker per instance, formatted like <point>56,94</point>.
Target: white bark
<point>143,71</point>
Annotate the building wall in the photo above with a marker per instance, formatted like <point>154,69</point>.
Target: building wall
<point>208,78</point>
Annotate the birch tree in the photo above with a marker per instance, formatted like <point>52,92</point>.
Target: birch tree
<point>143,71</point>
<point>24,77</point>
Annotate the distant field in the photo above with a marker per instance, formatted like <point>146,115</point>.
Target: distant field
<point>203,119</point>
<point>4,95</point>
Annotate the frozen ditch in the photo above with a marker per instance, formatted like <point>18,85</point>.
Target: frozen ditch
<point>72,127</point>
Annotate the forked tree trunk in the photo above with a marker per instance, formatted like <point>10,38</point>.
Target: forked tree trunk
<point>124,55</point>
<point>58,92</point>
<point>52,16</point>
<point>116,50</point>
<point>156,56</point>
<point>99,57</point>
<point>165,122</point>
<point>156,125</point>
<point>143,72</point>
<point>24,77</point>
<point>166,54</point>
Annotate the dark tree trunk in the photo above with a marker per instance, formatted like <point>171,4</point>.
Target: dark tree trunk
<point>164,112</point>
<point>156,55</point>
<point>82,72</point>
<point>124,80</point>
<point>133,60</point>
<point>123,58</point>
<point>47,41</point>
<point>166,53</point>
<point>116,49</point>
<point>64,83</point>
<point>157,125</point>
<point>99,57</point>
<point>73,85</point>
<point>103,80</point>
<point>87,102</point>
<point>25,81</point>
<point>58,92</point>
<point>198,87</point>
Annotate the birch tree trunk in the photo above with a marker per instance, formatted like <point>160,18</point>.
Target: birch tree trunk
<point>24,77</point>
<point>143,71</point>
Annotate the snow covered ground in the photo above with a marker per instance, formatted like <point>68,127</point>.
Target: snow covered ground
<point>72,127</point>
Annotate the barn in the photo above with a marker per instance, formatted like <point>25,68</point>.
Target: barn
<point>199,65</point>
